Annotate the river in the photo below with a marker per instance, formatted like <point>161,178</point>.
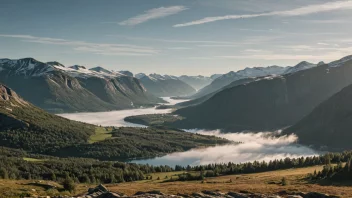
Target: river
<point>262,146</point>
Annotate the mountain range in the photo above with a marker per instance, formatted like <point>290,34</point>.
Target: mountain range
<point>57,88</point>
<point>165,85</point>
<point>226,79</point>
<point>270,102</point>
<point>197,82</point>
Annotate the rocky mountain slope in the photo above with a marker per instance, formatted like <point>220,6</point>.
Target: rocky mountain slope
<point>165,85</point>
<point>270,102</point>
<point>57,88</point>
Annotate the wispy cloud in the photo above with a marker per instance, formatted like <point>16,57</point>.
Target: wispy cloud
<point>95,48</point>
<point>310,9</point>
<point>173,40</point>
<point>155,13</point>
<point>178,48</point>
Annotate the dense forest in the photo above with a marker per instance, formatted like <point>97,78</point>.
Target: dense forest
<point>18,164</point>
<point>213,170</point>
<point>128,143</point>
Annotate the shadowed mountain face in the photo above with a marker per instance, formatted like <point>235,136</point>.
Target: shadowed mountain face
<point>163,86</point>
<point>57,88</point>
<point>329,124</point>
<point>269,103</point>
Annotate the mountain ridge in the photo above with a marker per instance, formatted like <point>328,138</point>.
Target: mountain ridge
<point>70,89</point>
<point>288,98</point>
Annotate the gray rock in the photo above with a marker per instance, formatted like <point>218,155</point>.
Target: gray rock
<point>315,195</point>
<point>237,195</point>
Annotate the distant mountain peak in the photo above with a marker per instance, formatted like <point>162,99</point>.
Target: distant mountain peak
<point>341,61</point>
<point>300,66</point>
<point>140,75</point>
<point>321,63</point>
<point>125,72</point>
<point>77,67</point>
<point>303,63</point>
<point>55,63</point>
<point>101,69</point>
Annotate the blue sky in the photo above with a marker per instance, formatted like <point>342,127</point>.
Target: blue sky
<point>176,36</point>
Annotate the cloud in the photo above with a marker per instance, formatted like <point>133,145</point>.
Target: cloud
<point>95,48</point>
<point>155,13</point>
<point>178,48</point>
<point>310,9</point>
<point>332,21</point>
<point>329,56</point>
<point>173,40</point>
<point>264,146</point>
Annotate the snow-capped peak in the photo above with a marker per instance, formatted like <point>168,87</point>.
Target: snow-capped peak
<point>300,66</point>
<point>140,75</point>
<point>341,61</point>
<point>55,63</point>
<point>262,71</point>
<point>101,70</point>
<point>78,67</point>
<point>25,66</point>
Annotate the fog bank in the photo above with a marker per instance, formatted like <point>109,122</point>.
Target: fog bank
<point>255,146</point>
<point>116,118</point>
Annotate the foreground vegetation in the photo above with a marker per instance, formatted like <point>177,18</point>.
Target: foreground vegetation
<point>267,182</point>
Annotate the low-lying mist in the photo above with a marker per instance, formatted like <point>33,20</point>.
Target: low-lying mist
<point>116,118</point>
<point>254,146</point>
<point>112,118</point>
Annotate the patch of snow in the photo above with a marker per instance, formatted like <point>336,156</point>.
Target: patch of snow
<point>340,62</point>
<point>299,67</point>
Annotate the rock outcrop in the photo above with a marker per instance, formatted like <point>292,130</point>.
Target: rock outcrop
<point>102,192</point>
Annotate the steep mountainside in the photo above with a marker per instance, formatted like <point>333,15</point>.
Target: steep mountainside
<point>329,124</point>
<point>57,88</point>
<point>232,76</point>
<point>197,82</point>
<point>268,103</point>
<point>25,126</point>
<point>165,85</point>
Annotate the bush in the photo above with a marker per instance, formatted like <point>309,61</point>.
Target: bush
<point>284,181</point>
<point>69,184</point>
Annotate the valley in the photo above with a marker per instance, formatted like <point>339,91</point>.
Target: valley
<point>175,99</point>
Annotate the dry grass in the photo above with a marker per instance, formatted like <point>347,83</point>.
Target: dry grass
<point>101,133</point>
<point>268,182</point>
<point>21,188</point>
<point>32,159</point>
